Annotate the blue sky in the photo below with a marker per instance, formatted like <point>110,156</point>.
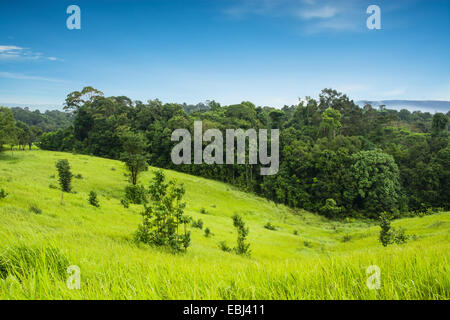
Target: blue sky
<point>270,52</point>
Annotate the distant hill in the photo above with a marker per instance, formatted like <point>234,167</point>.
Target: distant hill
<point>431,106</point>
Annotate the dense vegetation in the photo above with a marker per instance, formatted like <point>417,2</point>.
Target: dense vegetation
<point>336,158</point>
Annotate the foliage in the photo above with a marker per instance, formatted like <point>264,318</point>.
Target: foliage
<point>330,148</point>
<point>35,209</point>
<point>164,216</point>
<point>7,127</point>
<point>242,247</point>
<point>3,193</point>
<point>64,175</point>
<point>207,232</point>
<point>197,224</point>
<point>93,199</point>
<point>224,247</point>
<point>270,226</point>
<point>330,209</point>
<point>389,235</point>
<point>134,155</point>
<point>135,194</point>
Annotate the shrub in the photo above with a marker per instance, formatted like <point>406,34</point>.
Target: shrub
<point>197,224</point>
<point>390,235</point>
<point>224,247</point>
<point>385,232</point>
<point>93,199</point>
<point>52,186</point>
<point>79,176</point>
<point>164,217</point>
<point>242,247</point>
<point>203,211</point>
<point>295,232</point>
<point>3,194</point>
<point>307,244</point>
<point>35,209</point>
<point>346,238</point>
<point>207,232</point>
<point>125,203</point>
<point>330,209</point>
<point>135,194</point>
<point>270,226</point>
<point>65,176</point>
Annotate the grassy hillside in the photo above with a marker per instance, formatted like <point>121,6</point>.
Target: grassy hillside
<point>326,260</point>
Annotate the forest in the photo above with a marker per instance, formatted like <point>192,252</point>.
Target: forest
<point>336,158</point>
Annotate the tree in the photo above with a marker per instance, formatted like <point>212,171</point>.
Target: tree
<point>134,155</point>
<point>330,122</point>
<point>7,127</point>
<point>164,217</point>
<point>93,200</point>
<point>376,186</point>
<point>65,176</point>
<point>385,232</point>
<point>23,134</point>
<point>440,123</point>
<point>242,247</point>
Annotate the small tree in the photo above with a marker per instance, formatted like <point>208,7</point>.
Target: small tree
<point>135,154</point>
<point>65,176</point>
<point>163,218</point>
<point>242,248</point>
<point>93,199</point>
<point>386,232</point>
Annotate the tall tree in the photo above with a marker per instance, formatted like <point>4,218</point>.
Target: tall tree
<point>134,156</point>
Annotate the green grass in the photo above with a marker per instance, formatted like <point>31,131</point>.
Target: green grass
<point>326,260</point>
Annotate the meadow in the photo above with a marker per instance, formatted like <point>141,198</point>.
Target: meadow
<point>306,257</point>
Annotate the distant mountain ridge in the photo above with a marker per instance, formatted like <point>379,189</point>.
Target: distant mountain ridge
<point>431,106</point>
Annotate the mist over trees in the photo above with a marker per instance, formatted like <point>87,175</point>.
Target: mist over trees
<point>336,158</point>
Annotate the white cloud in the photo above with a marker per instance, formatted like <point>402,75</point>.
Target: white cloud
<point>15,53</point>
<point>321,13</point>
<point>20,76</point>
<point>9,48</point>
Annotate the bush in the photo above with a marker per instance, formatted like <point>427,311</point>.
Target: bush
<point>330,209</point>
<point>346,238</point>
<point>203,211</point>
<point>390,235</point>
<point>224,247</point>
<point>35,209</point>
<point>79,176</point>
<point>385,232</point>
<point>207,232</point>
<point>242,247</point>
<point>3,194</point>
<point>125,203</point>
<point>164,217</point>
<point>197,224</point>
<point>93,199</point>
<point>65,176</point>
<point>270,226</point>
<point>295,232</point>
<point>136,194</point>
<point>307,244</point>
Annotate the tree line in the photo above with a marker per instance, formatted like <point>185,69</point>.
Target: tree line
<point>336,158</point>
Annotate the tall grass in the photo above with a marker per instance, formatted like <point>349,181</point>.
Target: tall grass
<point>35,250</point>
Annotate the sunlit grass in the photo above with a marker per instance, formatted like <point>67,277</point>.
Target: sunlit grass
<point>326,260</point>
